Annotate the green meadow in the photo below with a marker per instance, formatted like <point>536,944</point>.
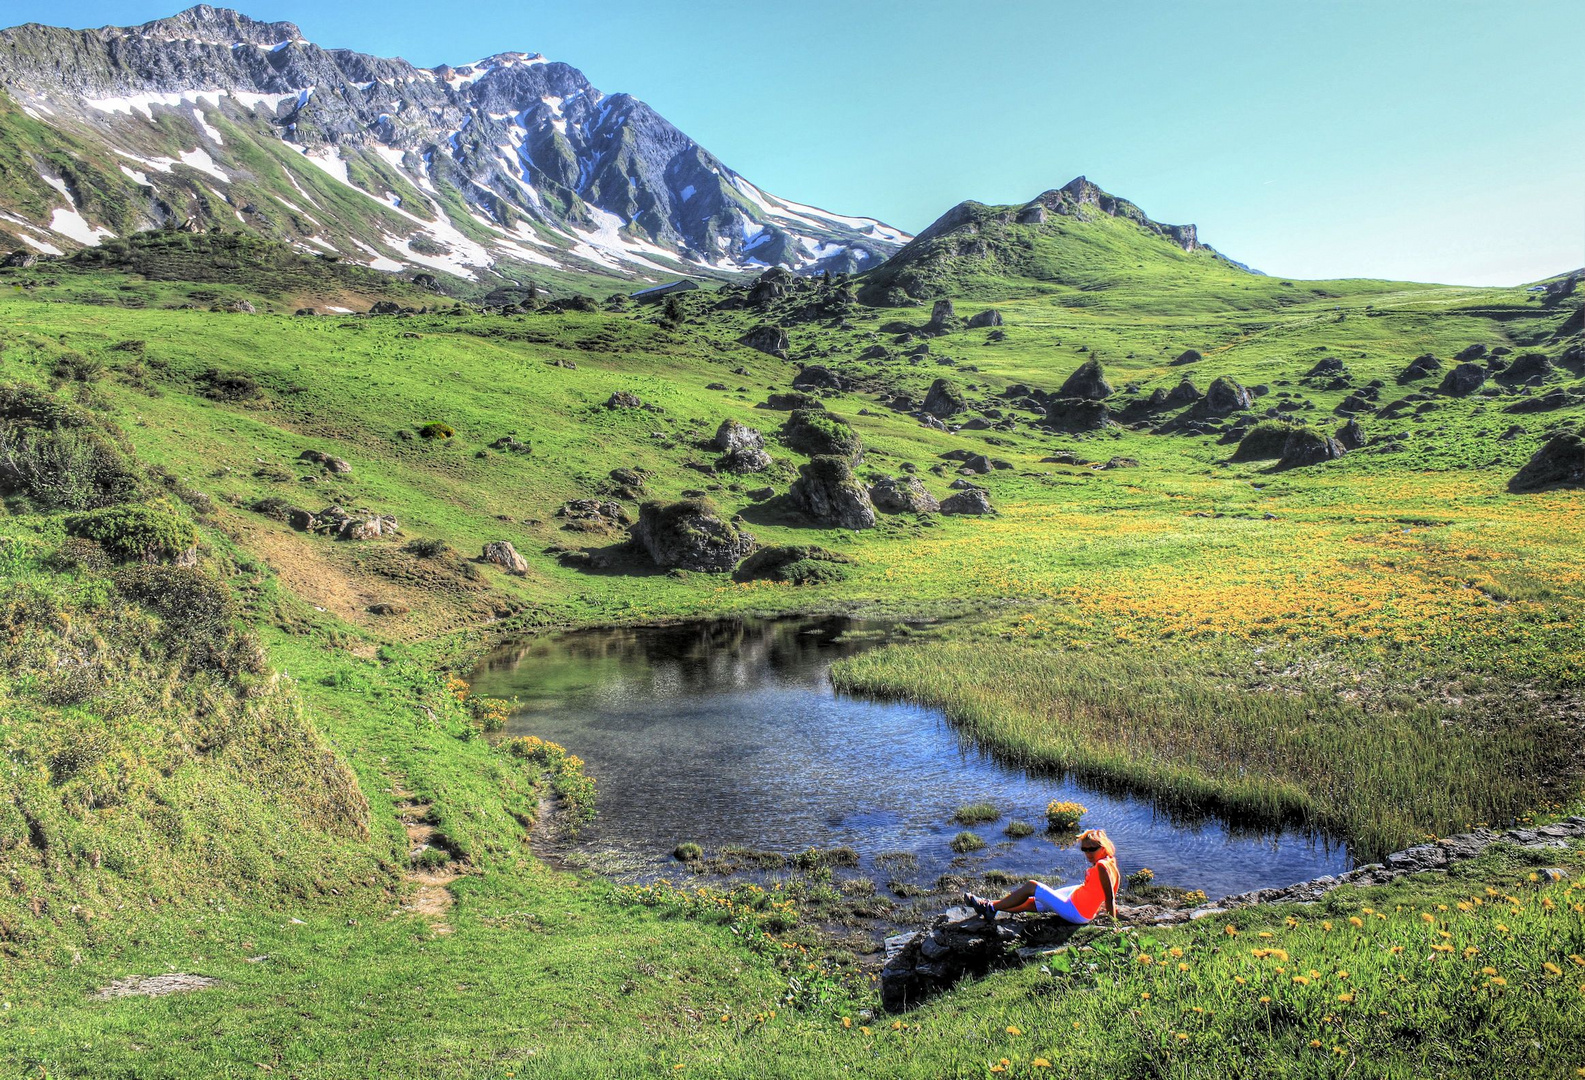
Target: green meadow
<point>217,757</point>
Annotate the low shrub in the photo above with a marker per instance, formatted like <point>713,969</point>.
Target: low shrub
<point>426,548</point>
<point>966,841</point>
<point>436,431</point>
<point>687,852</point>
<point>1019,829</point>
<point>1141,878</point>
<point>63,468</point>
<point>229,386</point>
<point>145,532</point>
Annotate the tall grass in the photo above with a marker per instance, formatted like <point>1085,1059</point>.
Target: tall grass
<point>1178,727</point>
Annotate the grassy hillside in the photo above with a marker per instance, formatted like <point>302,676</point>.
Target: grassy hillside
<point>1377,647</point>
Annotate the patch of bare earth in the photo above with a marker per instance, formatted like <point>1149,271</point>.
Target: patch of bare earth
<point>175,982</point>
<point>431,894</point>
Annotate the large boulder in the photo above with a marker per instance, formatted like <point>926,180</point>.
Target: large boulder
<point>1185,393</point>
<point>1077,414</point>
<point>1225,396</point>
<point>1351,435</point>
<point>821,434</point>
<point>623,399</point>
<point>943,400</point>
<point>902,495</point>
<point>690,535</point>
<point>942,318</point>
<point>989,317</point>
<point>1463,380</point>
<point>1559,463</point>
<point>1527,369</point>
<point>767,339</point>
<point>328,462</point>
<point>504,555</point>
<point>1264,441</point>
<point>735,435</point>
<point>828,492</point>
<point>1188,356</point>
<point>972,501</point>
<point>748,459</point>
<point>1087,381</point>
<point>1306,446</point>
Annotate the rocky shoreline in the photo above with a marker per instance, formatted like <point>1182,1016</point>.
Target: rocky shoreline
<point>959,942</point>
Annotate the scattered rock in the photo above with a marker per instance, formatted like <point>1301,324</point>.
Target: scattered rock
<point>1188,356</point>
<point>902,495</point>
<point>1121,463</point>
<point>1185,393</point>
<point>690,535</point>
<point>942,318</point>
<point>1472,352</point>
<point>241,307</point>
<point>989,317</point>
<point>622,399</point>
<point>1419,368</point>
<point>386,307</point>
<point>627,483</point>
<point>1559,463</point>
<point>330,464</point>
<point>973,501</point>
<point>818,433</point>
<point>827,491</point>
<point>504,555</point>
<point>592,515</point>
<point>734,435</point>
<point>1330,365</point>
<point>1077,414</point>
<point>789,402</point>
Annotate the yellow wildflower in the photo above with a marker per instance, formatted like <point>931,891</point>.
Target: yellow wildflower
<point>1301,980</point>
<point>1183,1036</point>
<point>1356,922</point>
<point>1041,1063</point>
<point>1011,1030</point>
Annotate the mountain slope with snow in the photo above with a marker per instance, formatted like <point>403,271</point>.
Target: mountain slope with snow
<point>493,171</point>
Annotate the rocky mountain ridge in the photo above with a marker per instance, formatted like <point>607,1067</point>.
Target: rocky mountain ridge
<point>503,168</point>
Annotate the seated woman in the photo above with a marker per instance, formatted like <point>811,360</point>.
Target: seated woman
<point>1075,903</point>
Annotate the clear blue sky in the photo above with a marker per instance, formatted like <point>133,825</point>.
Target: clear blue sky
<point>1433,140</point>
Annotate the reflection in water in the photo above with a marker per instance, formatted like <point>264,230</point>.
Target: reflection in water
<point>728,733</point>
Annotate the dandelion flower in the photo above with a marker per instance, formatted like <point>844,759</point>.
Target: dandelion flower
<point>1265,999</point>
<point>1041,1063</point>
<point>1011,1030</point>
<point>1183,967</point>
<point>1174,952</point>
<point>1183,1036</point>
<point>1267,934</point>
<point>1232,931</point>
<point>1426,916</point>
<point>1144,958</point>
<point>1239,979</point>
<point>1551,968</point>
<point>1356,922</point>
<point>1345,997</point>
<point>1145,996</point>
<point>1301,980</point>
<point>1342,974</point>
<point>847,1021</point>
<point>1315,1044</point>
<point>865,1030</point>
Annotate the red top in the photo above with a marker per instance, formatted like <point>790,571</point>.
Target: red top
<point>1090,897</point>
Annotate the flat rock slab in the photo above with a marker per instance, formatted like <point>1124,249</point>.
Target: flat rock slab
<point>155,985</point>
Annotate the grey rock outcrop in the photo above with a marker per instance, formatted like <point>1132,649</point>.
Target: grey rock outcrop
<point>988,317</point>
<point>973,501</point>
<point>736,435</point>
<point>827,491</point>
<point>1421,367</point>
<point>1087,382</point>
<point>501,553</point>
<point>1225,396</point>
<point>902,495</point>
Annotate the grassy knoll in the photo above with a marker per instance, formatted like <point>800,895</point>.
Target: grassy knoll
<point>1379,647</point>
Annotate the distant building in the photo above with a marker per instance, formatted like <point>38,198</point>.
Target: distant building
<point>659,292</point>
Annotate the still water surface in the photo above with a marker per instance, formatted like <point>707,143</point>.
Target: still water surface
<point>728,733</point>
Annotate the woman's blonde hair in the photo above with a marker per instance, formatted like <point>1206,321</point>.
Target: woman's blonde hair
<point>1100,837</point>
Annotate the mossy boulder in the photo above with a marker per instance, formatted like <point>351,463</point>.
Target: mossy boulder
<point>797,564</point>
<point>821,434</point>
<point>828,492</point>
<point>1559,463</point>
<point>690,535</point>
<point>1307,446</point>
<point>1264,441</point>
<point>1088,381</point>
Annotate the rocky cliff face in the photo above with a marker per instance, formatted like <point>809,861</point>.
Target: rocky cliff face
<point>513,163</point>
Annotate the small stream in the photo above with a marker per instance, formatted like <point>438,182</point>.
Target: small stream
<point>728,733</point>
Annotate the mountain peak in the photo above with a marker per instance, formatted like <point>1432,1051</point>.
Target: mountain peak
<point>215,26</point>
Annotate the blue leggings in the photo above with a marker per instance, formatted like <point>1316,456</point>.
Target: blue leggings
<point>1058,902</point>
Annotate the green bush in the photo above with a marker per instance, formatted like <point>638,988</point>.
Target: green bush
<point>1017,830</point>
<point>147,533</point>
<point>966,841</point>
<point>198,614</point>
<point>689,852</point>
<point>63,468</point>
<point>436,431</point>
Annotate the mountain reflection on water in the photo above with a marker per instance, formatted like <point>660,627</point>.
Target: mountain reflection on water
<point>727,733</point>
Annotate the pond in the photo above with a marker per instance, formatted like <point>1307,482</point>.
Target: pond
<point>728,733</point>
